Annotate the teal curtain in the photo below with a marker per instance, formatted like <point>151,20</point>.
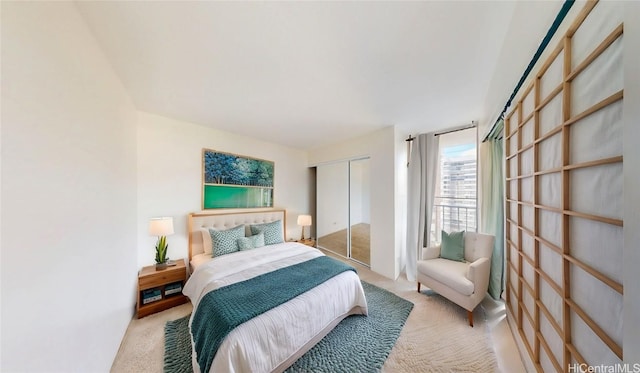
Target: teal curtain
<point>492,206</point>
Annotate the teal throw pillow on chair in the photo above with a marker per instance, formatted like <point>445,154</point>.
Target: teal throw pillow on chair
<point>452,246</point>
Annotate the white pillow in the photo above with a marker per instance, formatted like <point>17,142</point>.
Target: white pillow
<point>207,245</point>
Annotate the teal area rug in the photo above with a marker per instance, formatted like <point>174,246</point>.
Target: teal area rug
<point>358,344</point>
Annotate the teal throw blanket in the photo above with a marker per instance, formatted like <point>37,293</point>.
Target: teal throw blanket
<point>223,309</point>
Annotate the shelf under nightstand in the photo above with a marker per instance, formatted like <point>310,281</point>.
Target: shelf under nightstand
<point>154,283</point>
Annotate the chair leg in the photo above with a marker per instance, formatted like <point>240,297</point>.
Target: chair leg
<point>470,314</point>
<point>418,287</point>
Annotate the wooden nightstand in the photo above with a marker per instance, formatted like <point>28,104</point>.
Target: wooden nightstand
<point>308,242</point>
<point>161,290</point>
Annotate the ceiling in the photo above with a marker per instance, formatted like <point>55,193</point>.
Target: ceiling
<point>305,74</point>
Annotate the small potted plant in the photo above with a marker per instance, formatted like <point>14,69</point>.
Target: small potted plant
<point>161,227</point>
<point>161,253</point>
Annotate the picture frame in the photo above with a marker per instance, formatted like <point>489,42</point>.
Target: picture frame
<point>235,181</point>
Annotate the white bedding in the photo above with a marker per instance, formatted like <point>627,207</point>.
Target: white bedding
<point>272,341</point>
<point>199,259</point>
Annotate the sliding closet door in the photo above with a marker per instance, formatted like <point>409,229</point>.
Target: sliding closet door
<point>343,208</point>
<point>564,199</point>
<point>359,197</point>
<point>332,199</point>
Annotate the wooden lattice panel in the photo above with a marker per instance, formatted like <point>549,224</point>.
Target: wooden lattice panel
<point>564,243</point>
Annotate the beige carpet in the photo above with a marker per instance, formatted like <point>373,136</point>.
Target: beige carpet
<point>436,337</point>
<point>360,242</point>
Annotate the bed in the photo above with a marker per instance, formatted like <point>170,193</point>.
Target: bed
<point>272,340</point>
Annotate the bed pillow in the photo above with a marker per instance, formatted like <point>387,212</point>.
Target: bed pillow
<point>452,246</point>
<point>207,246</point>
<point>251,242</point>
<point>225,242</point>
<point>272,232</point>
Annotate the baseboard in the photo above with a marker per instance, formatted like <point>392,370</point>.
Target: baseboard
<point>522,350</point>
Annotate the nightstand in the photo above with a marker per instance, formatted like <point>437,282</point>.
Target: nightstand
<point>161,290</point>
<point>308,241</point>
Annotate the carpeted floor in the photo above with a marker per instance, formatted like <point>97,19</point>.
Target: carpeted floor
<point>360,242</point>
<point>342,347</point>
<point>436,336</point>
<point>436,339</point>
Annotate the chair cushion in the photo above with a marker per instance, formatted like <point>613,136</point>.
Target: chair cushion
<point>477,245</point>
<point>448,272</point>
<point>452,246</point>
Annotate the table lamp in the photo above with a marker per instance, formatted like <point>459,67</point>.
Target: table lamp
<point>304,221</point>
<point>161,227</point>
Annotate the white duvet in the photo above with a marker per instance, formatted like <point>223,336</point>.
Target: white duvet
<point>274,340</point>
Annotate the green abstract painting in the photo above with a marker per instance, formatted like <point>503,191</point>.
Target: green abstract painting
<point>234,181</point>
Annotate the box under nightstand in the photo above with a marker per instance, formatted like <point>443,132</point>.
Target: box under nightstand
<point>162,289</point>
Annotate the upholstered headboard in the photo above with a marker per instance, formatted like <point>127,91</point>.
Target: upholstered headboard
<point>199,221</point>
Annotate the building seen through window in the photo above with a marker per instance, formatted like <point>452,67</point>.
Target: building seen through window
<point>455,203</point>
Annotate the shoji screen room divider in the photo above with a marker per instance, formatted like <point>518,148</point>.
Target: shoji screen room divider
<point>564,198</point>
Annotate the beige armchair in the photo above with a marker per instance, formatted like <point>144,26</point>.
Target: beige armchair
<point>463,283</point>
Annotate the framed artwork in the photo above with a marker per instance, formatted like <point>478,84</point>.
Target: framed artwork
<point>235,181</point>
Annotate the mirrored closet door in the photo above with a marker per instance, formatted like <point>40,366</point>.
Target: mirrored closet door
<point>343,208</point>
<point>359,210</point>
<point>332,207</point>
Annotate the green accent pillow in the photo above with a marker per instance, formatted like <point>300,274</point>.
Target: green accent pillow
<point>452,246</point>
<point>272,232</point>
<point>224,242</point>
<point>251,242</point>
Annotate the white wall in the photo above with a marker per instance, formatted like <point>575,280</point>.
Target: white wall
<point>527,28</point>
<point>170,179</point>
<point>400,159</point>
<point>380,146</point>
<point>631,154</point>
<point>69,194</point>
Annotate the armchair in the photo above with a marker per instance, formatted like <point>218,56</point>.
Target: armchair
<point>463,283</point>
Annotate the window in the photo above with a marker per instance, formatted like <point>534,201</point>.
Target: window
<point>455,202</point>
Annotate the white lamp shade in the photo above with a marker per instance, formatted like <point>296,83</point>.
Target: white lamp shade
<point>161,226</point>
<point>304,220</point>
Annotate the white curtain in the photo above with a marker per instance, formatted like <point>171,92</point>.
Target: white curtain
<point>492,208</point>
<point>421,187</point>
